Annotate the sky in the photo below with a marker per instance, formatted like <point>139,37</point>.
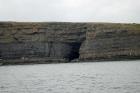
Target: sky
<point>119,11</point>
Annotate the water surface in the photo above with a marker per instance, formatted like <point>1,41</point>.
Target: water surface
<point>98,77</point>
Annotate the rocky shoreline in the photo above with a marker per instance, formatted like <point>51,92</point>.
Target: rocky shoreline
<point>56,42</point>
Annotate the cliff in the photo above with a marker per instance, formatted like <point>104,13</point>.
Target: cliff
<point>64,42</point>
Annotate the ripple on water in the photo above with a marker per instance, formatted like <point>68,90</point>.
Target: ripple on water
<point>119,77</point>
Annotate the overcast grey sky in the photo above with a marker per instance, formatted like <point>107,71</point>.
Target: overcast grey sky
<point>70,10</point>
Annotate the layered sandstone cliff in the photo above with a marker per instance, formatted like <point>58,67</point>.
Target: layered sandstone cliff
<point>65,42</point>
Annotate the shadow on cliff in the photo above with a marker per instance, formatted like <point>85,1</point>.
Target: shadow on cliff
<point>74,52</point>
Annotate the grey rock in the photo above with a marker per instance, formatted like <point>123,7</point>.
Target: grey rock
<point>64,42</point>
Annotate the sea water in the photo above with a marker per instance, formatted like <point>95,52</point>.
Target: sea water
<point>90,77</point>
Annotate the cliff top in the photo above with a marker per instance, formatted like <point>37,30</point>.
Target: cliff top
<point>128,26</point>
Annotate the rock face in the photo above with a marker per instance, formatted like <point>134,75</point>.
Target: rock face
<point>65,42</point>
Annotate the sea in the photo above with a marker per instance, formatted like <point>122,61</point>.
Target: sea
<point>84,77</point>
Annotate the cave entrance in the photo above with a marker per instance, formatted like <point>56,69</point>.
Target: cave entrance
<point>74,53</point>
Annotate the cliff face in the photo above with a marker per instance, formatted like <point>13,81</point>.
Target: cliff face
<point>111,45</point>
<point>49,42</point>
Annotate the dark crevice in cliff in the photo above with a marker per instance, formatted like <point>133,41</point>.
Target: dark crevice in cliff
<point>0,55</point>
<point>51,48</point>
<point>74,53</point>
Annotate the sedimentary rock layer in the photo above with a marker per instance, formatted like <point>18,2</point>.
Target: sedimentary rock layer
<point>65,42</point>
